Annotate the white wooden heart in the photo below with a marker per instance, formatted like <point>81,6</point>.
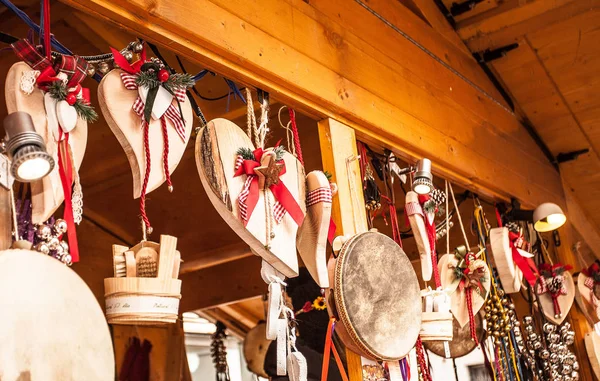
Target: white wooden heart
<point>66,115</point>
<point>216,147</point>
<point>47,193</point>
<point>509,273</point>
<point>565,302</point>
<point>116,104</point>
<point>457,297</point>
<point>161,102</point>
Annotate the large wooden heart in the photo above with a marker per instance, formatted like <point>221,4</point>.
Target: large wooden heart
<point>458,297</point>
<point>216,153</point>
<point>46,194</point>
<point>116,104</point>
<point>565,302</point>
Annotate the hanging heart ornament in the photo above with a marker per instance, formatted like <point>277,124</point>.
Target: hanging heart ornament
<point>267,216</point>
<point>556,291</point>
<point>458,278</point>
<point>47,193</point>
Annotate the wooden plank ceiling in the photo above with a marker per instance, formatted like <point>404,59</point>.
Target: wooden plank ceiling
<point>553,77</point>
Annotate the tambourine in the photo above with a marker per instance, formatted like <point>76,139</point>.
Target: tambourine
<point>374,294</point>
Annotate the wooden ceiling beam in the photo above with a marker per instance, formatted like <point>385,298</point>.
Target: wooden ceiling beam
<point>204,259</point>
<point>508,23</point>
<point>439,23</point>
<point>222,284</point>
<point>309,60</point>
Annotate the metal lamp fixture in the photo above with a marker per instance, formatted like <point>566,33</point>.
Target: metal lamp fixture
<point>546,217</point>
<point>25,148</point>
<point>423,182</point>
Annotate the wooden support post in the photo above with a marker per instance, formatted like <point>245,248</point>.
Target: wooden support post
<point>340,158</point>
<point>579,323</point>
<point>5,219</point>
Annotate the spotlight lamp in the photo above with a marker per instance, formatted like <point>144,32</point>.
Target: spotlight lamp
<point>546,217</point>
<point>423,179</point>
<point>25,148</point>
<point>423,182</point>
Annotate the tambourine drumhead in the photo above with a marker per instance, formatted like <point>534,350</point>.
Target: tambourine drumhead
<point>256,345</point>
<point>51,326</point>
<point>461,343</point>
<point>377,296</point>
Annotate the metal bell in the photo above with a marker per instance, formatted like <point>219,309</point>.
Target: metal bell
<point>61,226</point>
<point>43,231</point>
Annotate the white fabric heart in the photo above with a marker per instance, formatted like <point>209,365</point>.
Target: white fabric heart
<point>161,102</point>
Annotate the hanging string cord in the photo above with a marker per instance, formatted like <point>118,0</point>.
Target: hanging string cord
<point>462,228</point>
<point>146,228</point>
<point>289,134</point>
<point>297,147</point>
<point>447,219</point>
<point>165,133</point>
<point>263,128</point>
<point>251,127</point>
<point>545,249</point>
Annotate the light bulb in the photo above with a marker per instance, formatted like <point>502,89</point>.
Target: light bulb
<point>422,188</point>
<point>33,169</point>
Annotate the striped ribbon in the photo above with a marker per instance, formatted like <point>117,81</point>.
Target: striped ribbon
<point>172,113</point>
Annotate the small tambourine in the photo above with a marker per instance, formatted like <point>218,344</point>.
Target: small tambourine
<point>375,297</point>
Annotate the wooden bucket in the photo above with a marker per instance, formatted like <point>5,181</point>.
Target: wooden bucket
<point>146,301</point>
<point>436,319</point>
<point>436,326</point>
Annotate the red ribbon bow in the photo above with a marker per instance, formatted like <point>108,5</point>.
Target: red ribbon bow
<point>551,273</point>
<point>132,68</point>
<point>250,193</point>
<point>526,265</point>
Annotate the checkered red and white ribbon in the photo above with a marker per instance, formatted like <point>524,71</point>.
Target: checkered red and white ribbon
<point>172,112</point>
<point>413,208</point>
<point>315,196</point>
<point>278,209</point>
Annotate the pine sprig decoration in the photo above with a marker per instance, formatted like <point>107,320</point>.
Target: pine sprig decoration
<point>429,206</point>
<point>57,90</point>
<point>328,175</point>
<point>279,152</point>
<point>179,80</point>
<point>245,153</point>
<point>147,79</point>
<point>85,111</point>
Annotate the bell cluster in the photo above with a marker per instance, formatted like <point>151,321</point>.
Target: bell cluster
<point>548,355</point>
<point>104,66</point>
<point>48,240</point>
<point>500,316</point>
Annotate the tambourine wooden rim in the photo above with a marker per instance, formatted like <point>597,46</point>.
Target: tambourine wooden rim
<point>341,306</point>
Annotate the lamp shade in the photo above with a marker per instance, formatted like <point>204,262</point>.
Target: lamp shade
<point>548,217</point>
